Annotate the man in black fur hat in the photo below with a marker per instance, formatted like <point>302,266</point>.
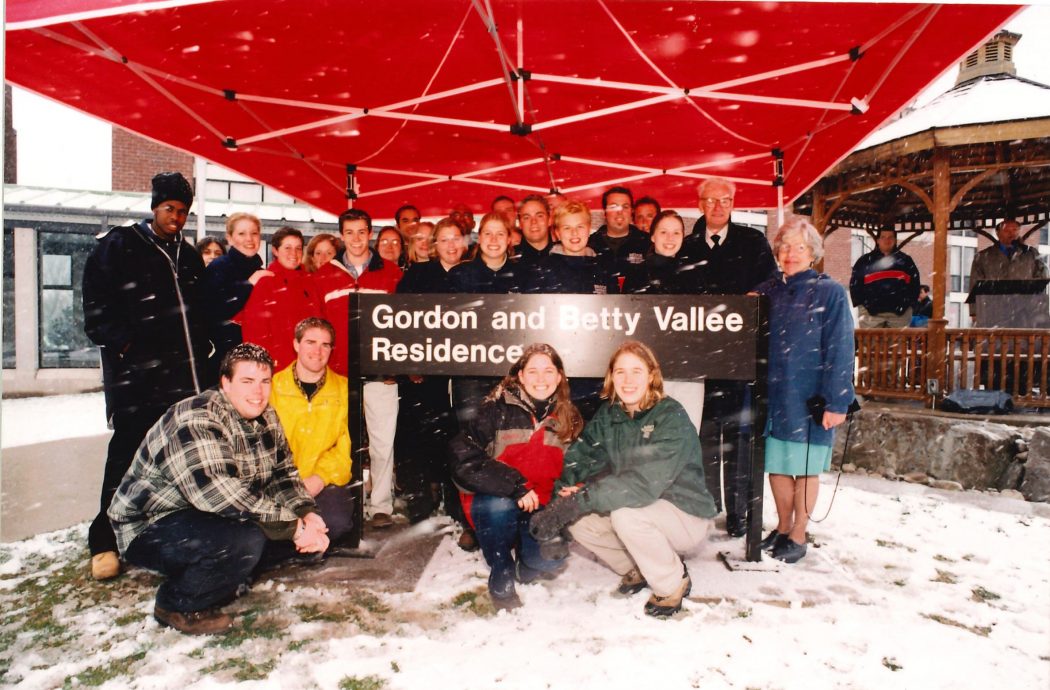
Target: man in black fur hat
<point>141,306</point>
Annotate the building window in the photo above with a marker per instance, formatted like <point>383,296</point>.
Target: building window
<point>63,342</point>
<point>9,298</point>
<point>960,259</point>
<point>862,243</point>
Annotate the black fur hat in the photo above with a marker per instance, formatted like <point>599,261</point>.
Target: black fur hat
<point>171,185</point>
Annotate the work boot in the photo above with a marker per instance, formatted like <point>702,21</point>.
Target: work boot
<point>381,521</point>
<point>206,622</point>
<point>105,565</point>
<point>736,525</point>
<point>468,541</point>
<point>662,607</point>
<point>631,583</point>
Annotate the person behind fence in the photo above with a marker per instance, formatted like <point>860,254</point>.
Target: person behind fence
<point>311,401</point>
<point>506,460</point>
<point>1008,259</point>
<point>884,284</point>
<point>636,478</point>
<point>810,376</point>
<point>211,493</point>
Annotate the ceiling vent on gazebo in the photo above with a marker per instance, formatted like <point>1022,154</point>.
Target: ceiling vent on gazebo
<point>994,57</point>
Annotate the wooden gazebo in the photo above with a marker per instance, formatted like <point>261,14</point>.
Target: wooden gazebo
<point>975,155</point>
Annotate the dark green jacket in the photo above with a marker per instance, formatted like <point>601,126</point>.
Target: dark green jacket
<point>630,462</point>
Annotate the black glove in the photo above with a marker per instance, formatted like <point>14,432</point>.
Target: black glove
<point>546,524</point>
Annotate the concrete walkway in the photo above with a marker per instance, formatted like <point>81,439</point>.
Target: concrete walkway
<point>49,486</point>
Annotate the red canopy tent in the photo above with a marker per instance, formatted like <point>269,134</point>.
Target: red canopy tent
<point>440,101</point>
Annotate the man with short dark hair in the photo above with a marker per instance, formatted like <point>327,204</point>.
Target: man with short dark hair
<point>142,306</point>
<point>1008,259</point>
<point>535,218</point>
<point>884,284</point>
<point>311,401</point>
<point>645,209</point>
<point>724,258</point>
<point>618,241</point>
<point>213,491</point>
<point>405,217</point>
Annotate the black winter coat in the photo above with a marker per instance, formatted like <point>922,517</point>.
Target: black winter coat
<point>631,251</point>
<point>571,275</point>
<point>142,306</point>
<point>657,275</point>
<point>740,263</point>
<point>226,289</point>
<point>477,278</point>
<point>428,277</point>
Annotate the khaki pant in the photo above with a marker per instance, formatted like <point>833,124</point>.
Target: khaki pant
<point>648,538</point>
<point>866,319</point>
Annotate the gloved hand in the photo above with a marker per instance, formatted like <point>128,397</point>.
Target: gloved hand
<point>547,524</point>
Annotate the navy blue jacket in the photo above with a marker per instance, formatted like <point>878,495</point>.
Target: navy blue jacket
<point>427,277</point>
<point>571,275</point>
<point>476,277</point>
<point>884,283</point>
<point>227,289</point>
<point>810,353</point>
<point>631,251</point>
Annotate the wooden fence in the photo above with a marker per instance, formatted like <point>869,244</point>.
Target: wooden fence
<point>898,363</point>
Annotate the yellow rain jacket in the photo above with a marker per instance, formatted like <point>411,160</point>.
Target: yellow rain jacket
<point>316,429</point>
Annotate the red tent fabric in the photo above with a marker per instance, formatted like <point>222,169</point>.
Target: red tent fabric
<point>439,101</point>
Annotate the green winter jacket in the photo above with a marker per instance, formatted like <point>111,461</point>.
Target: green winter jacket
<point>630,462</point>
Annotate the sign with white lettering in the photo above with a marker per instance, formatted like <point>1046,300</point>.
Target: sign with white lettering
<point>694,337</point>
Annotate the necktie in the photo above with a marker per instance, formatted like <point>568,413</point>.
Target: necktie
<point>715,241</point>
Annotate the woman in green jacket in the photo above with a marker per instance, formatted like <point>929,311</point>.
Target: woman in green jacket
<point>636,478</point>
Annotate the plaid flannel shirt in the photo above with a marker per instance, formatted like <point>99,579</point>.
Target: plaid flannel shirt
<point>203,454</point>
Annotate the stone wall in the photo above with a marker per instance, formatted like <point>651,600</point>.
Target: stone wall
<point>950,451</point>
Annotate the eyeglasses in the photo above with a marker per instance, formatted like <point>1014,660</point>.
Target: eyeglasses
<point>618,207</point>
<point>724,202</point>
<point>390,241</point>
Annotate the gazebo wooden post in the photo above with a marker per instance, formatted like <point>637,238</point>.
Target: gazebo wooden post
<point>936,344</point>
<point>817,218</point>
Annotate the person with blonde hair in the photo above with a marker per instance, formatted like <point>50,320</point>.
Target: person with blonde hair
<point>632,490</point>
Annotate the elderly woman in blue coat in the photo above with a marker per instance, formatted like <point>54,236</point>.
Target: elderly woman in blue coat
<point>810,376</point>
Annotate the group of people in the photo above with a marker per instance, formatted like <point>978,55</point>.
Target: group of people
<point>261,461</point>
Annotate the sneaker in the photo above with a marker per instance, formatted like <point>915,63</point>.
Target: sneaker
<point>507,603</point>
<point>206,622</point>
<point>771,541</point>
<point>632,583</point>
<point>468,541</point>
<point>789,551</point>
<point>382,521</point>
<point>662,607</point>
<point>105,565</point>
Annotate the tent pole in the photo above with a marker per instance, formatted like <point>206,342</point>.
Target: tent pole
<point>200,182</point>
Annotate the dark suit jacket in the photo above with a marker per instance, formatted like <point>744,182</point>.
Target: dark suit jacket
<point>742,261</point>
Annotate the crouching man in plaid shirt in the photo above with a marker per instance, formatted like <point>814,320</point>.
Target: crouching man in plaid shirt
<point>211,492</point>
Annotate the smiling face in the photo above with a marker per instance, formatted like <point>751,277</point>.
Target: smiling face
<point>290,253</point>
<point>389,244</point>
<point>449,246</point>
<point>169,217</point>
<point>535,224</point>
<point>574,229</point>
<point>249,388</point>
<point>794,254</point>
<point>462,216</point>
<point>211,252</point>
<point>419,241</point>
<point>643,216</point>
<point>631,380</point>
<point>493,241</point>
<point>355,236</point>
<point>716,205</point>
<point>668,235</point>
<point>245,237</point>
<point>323,253</point>
<point>312,354</point>
<point>539,377</point>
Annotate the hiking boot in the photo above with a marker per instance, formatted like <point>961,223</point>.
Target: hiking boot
<point>206,622</point>
<point>662,607</point>
<point>468,541</point>
<point>105,565</point>
<point>632,583</point>
<point>507,603</point>
<point>382,521</point>
<point>789,551</point>
<point>771,541</point>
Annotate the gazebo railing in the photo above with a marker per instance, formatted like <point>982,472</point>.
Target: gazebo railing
<point>897,363</point>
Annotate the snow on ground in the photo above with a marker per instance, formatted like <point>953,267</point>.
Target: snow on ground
<point>904,586</point>
<point>35,420</point>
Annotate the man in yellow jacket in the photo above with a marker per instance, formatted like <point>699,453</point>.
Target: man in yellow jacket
<point>311,402</point>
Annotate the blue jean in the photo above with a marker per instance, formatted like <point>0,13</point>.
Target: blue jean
<point>502,527</point>
<point>206,558</point>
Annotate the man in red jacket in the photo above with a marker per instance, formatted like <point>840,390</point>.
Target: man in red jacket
<point>360,269</point>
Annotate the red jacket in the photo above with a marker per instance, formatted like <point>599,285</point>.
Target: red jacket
<point>274,308</point>
<point>334,284</point>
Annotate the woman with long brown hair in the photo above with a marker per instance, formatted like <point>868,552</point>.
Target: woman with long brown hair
<point>507,457</point>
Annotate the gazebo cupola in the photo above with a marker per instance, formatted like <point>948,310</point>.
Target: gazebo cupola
<point>992,58</point>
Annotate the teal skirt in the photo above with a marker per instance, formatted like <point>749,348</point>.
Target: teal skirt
<point>789,457</point>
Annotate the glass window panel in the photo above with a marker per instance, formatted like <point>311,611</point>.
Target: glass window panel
<point>242,191</point>
<point>63,342</point>
<point>57,270</point>
<point>216,189</point>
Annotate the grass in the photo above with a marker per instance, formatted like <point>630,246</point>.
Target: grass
<point>475,601</point>
<point>250,626</point>
<point>982,630</point>
<point>365,683</point>
<point>945,577</point>
<point>113,668</point>
<point>243,669</point>
<point>984,595</point>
